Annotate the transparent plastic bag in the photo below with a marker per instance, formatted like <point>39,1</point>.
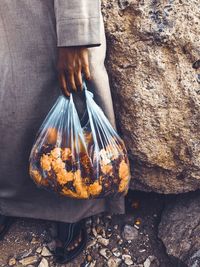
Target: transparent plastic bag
<point>79,162</point>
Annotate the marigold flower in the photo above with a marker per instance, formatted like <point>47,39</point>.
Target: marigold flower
<point>64,176</point>
<point>58,165</point>
<point>45,162</point>
<point>56,152</point>
<point>95,188</point>
<point>66,153</point>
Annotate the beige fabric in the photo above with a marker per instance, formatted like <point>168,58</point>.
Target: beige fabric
<point>28,89</point>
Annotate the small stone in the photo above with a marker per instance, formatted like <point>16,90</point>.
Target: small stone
<point>39,250</point>
<point>103,241</point>
<point>120,242</point>
<point>52,245</point>
<point>89,258</point>
<point>138,221</point>
<point>136,226</point>
<point>116,227</point>
<point>116,252</point>
<point>149,260</point>
<point>92,264</point>
<point>45,252</point>
<point>105,253</point>
<point>91,243</point>
<point>127,259</point>
<point>113,262</point>
<point>129,232</point>
<point>29,260</point>
<point>12,261</point>
<point>94,232</point>
<point>43,263</point>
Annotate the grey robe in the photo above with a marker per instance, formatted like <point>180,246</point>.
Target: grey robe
<point>30,31</point>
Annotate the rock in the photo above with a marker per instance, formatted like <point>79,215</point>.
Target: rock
<point>127,259</point>
<point>116,252</point>
<point>12,261</point>
<point>52,245</point>
<point>103,241</point>
<point>39,250</point>
<point>45,252</point>
<point>179,228</point>
<point>113,262</point>
<point>28,260</point>
<point>155,89</point>
<point>129,232</point>
<point>151,261</point>
<point>92,264</point>
<point>43,263</point>
<point>105,253</point>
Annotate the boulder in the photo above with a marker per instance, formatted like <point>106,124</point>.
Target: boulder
<point>179,228</point>
<point>153,60</point>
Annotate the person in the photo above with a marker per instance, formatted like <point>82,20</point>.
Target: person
<point>46,46</point>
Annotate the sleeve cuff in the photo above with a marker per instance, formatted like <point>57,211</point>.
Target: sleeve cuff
<point>78,32</point>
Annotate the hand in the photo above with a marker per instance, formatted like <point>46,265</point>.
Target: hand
<point>72,61</point>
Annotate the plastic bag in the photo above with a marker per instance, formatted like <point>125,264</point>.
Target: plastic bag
<point>75,161</point>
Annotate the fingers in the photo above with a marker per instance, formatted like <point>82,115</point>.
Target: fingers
<point>85,64</point>
<point>78,77</point>
<point>63,83</point>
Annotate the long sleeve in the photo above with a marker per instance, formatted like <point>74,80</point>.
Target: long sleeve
<point>78,22</point>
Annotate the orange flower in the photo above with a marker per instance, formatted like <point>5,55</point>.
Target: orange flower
<point>58,165</point>
<point>95,188</point>
<point>124,174</point>
<point>106,169</point>
<point>45,162</point>
<point>67,192</point>
<point>81,189</point>
<point>64,176</point>
<point>66,153</point>
<point>56,152</point>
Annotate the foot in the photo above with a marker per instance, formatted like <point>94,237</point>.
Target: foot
<point>72,238</point>
<point>75,242</point>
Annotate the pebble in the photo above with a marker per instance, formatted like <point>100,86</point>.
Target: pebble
<point>89,258</point>
<point>149,260</point>
<point>127,259</point>
<point>105,253</point>
<point>39,250</point>
<point>43,263</point>
<point>129,232</point>
<point>116,227</point>
<point>29,260</point>
<point>91,243</point>
<point>12,261</point>
<point>45,252</point>
<point>94,232</point>
<point>34,241</point>
<point>113,262</point>
<point>92,264</point>
<point>52,245</point>
<point>116,252</point>
<point>103,241</point>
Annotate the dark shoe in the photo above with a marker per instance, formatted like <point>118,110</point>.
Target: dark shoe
<point>68,234</point>
<point>5,223</point>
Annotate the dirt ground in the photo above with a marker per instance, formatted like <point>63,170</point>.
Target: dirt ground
<point>119,240</point>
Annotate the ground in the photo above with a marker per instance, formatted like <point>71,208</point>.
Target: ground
<point>118,240</point>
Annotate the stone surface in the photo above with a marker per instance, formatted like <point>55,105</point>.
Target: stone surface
<point>179,228</point>
<point>129,232</point>
<point>153,53</point>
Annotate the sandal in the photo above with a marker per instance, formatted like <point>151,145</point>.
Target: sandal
<point>67,234</point>
<point>6,222</point>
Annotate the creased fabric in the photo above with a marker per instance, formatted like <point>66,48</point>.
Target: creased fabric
<point>28,89</point>
<point>78,16</point>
